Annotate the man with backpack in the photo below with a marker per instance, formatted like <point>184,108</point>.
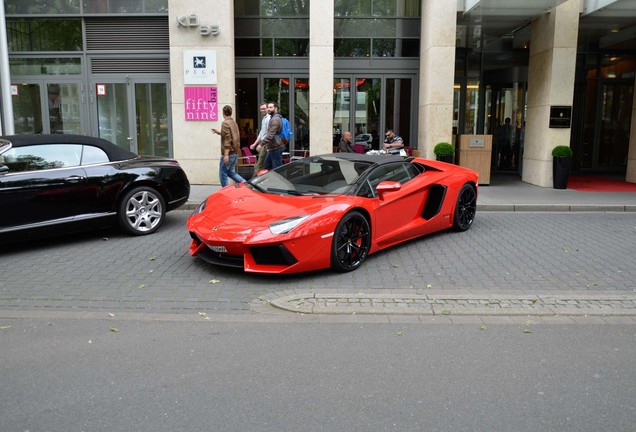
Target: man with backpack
<point>272,141</point>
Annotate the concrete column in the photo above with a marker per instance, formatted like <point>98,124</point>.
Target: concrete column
<point>631,153</point>
<point>321,64</point>
<point>437,72</point>
<point>195,147</point>
<point>550,82</point>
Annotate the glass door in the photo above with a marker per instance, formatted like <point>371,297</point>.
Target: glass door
<point>45,106</point>
<point>292,95</point>
<point>133,113</point>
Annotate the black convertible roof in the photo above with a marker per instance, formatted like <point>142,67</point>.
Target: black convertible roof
<point>358,157</point>
<point>114,152</point>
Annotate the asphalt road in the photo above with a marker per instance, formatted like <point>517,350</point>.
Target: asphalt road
<point>81,375</point>
<point>509,253</point>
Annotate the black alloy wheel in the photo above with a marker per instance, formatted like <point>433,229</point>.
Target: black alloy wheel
<point>466,208</point>
<point>142,211</point>
<point>351,242</point>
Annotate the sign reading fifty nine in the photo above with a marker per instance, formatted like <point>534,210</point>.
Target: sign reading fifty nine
<point>560,116</point>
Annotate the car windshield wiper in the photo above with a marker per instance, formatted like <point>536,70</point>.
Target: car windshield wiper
<point>285,191</point>
<point>255,186</point>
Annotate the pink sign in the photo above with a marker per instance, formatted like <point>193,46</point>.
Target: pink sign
<point>201,104</point>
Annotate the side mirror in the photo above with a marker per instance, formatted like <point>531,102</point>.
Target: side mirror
<point>4,169</point>
<point>387,186</point>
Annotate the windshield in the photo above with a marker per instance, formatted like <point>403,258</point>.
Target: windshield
<point>309,176</point>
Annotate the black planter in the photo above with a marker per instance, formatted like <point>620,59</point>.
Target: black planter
<point>561,171</point>
<point>444,158</point>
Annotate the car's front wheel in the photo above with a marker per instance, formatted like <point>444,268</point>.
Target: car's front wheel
<point>465,208</point>
<point>351,242</point>
<point>142,211</point>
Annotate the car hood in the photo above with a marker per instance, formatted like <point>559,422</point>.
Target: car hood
<point>238,208</point>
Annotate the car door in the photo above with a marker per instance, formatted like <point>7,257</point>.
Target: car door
<point>44,184</point>
<point>398,214</point>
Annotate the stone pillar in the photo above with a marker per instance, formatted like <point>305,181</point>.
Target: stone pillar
<point>437,72</point>
<point>550,82</point>
<point>195,147</point>
<point>321,64</point>
<point>631,153</point>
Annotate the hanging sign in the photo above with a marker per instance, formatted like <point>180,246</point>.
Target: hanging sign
<point>201,104</point>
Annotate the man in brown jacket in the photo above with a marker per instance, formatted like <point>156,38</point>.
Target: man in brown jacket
<point>230,143</point>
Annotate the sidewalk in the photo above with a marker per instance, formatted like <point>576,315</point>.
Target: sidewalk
<point>509,193</point>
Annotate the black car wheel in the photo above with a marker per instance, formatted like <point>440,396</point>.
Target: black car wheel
<point>466,208</point>
<point>142,211</point>
<point>351,242</point>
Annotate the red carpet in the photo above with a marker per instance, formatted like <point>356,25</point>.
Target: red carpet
<point>599,184</point>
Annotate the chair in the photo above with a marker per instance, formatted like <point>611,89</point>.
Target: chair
<point>245,163</point>
<point>250,159</point>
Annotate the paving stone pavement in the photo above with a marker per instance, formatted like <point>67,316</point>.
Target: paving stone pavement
<point>519,263</point>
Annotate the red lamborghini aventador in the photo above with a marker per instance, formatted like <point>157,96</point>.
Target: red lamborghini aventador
<point>330,211</point>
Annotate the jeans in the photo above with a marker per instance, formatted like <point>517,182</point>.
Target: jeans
<point>274,158</point>
<point>229,170</point>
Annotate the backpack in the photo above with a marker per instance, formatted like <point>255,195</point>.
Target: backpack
<point>285,133</point>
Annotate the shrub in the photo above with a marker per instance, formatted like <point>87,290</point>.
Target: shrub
<point>444,149</point>
<point>562,151</point>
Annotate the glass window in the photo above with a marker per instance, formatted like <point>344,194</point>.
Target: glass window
<point>151,103</point>
<point>367,108</point>
<point>271,8</point>
<point>398,96</point>
<point>93,155</point>
<point>42,34</point>
<point>64,108</point>
<point>248,115</point>
<point>125,6</point>
<point>45,66</point>
<point>382,8</point>
<point>341,107</point>
<point>37,7</point>
<point>277,90</point>
<point>292,47</point>
<point>27,109</point>
<point>398,172</point>
<point>352,47</point>
<point>42,157</point>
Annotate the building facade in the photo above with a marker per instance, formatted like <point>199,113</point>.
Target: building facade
<point>153,75</point>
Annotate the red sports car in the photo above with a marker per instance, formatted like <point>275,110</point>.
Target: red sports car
<point>330,211</point>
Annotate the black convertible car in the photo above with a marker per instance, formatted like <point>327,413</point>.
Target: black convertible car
<point>55,183</point>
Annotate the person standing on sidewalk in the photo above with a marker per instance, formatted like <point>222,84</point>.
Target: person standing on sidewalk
<point>230,143</point>
<point>257,145</point>
<point>272,142</point>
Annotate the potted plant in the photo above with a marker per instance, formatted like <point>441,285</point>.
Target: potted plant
<point>561,161</point>
<point>444,152</point>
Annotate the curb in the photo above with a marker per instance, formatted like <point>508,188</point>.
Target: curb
<point>462,304</point>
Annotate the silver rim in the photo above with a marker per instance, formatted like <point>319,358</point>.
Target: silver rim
<point>143,211</point>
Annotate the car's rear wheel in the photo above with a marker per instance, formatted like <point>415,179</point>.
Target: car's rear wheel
<point>465,208</point>
<point>142,211</point>
<point>351,242</point>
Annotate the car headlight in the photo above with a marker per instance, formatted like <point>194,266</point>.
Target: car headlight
<point>200,207</point>
<point>284,226</point>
